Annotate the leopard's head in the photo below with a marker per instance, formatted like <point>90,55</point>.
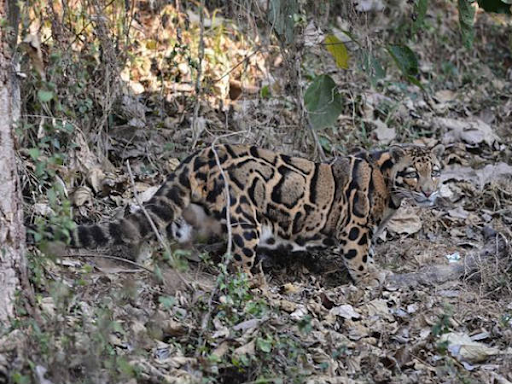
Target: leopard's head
<point>416,173</point>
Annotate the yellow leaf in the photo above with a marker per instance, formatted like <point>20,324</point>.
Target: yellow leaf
<point>338,51</point>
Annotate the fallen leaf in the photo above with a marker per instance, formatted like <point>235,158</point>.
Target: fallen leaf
<point>346,311</point>
<point>246,349</point>
<point>379,307</point>
<point>479,177</point>
<point>405,221</point>
<point>248,324</point>
<point>445,95</point>
<point>287,306</point>
<point>81,196</point>
<point>338,51</point>
<point>148,193</point>
<point>463,348</point>
<point>384,134</point>
<point>458,213</point>
<point>471,131</point>
<point>95,178</point>
<point>299,313</point>
<point>291,288</point>
<point>221,349</point>
<point>131,107</point>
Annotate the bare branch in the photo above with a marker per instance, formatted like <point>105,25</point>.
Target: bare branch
<point>195,118</point>
<point>159,237</point>
<point>111,257</point>
<point>227,256</point>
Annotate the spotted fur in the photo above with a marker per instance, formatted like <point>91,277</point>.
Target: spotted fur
<point>278,201</point>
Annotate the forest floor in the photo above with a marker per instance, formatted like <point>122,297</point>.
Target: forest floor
<point>444,316</point>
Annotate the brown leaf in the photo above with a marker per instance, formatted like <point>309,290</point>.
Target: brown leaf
<point>405,221</point>
<point>346,311</point>
<point>246,349</point>
<point>384,134</point>
<point>81,196</point>
<point>445,95</point>
<point>95,178</point>
<point>463,348</point>
<point>221,349</point>
<point>471,131</point>
<point>479,177</point>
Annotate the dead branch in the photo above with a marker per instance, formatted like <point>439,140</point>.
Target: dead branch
<point>496,247</point>
<point>159,237</point>
<point>198,89</point>
<point>227,256</point>
<point>110,257</point>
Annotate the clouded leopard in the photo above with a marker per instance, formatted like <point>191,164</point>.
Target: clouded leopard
<point>278,201</point>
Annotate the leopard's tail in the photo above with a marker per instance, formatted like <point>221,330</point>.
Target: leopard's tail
<point>163,208</point>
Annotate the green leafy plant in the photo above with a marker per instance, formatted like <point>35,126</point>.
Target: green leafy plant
<point>466,21</point>
<point>443,324</point>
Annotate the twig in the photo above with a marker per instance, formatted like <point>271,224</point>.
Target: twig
<point>199,74</point>
<point>103,256</point>
<point>228,198</point>
<point>159,237</point>
<point>227,256</point>
<point>87,25</point>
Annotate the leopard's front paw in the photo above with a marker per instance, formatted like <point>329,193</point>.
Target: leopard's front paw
<point>256,280</point>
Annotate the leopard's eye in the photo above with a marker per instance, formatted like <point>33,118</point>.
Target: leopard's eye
<point>411,175</point>
<point>436,172</point>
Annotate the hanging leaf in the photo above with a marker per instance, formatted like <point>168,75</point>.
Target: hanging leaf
<point>338,50</point>
<point>404,58</point>
<point>372,66</point>
<point>466,20</point>
<point>281,17</point>
<point>323,102</point>
<point>406,61</point>
<point>415,81</point>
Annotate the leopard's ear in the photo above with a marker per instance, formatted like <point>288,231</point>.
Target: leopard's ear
<point>396,152</point>
<point>438,151</point>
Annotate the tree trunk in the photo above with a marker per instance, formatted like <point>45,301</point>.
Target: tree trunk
<point>12,232</point>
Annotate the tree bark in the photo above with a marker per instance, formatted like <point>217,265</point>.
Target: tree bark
<point>12,231</point>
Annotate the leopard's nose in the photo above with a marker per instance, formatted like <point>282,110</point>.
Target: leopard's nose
<point>427,192</point>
